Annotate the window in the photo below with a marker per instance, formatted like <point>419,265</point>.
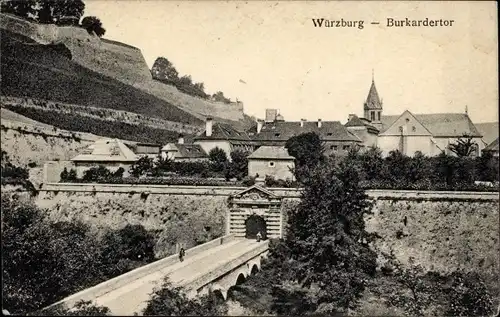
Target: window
<point>400,129</point>
<point>276,134</point>
<point>329,134</point>
<point>271,164</point>
<point>407,120</point>
<point>333,147</point>
<point>346,147</point>
<point>413,129</point>
<point>372,115</point>
<point>379,116</point>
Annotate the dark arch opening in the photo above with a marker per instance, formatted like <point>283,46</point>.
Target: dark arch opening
<point>255,269</point>
<point>219,298</point>
<point>241,279</point>
<point>253,225</point>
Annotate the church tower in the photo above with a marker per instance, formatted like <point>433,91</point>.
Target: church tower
<point>373,106</point>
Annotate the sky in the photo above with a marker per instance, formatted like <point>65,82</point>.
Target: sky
<point>270,55</point>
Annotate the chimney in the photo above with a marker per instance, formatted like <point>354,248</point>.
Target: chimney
<point>319,123</point>
<point>259,126</point>
<point>208,126</point>
<point>302,122</point>
<point>351,115</point>
<point>181,139</point>
<point>271,115</point>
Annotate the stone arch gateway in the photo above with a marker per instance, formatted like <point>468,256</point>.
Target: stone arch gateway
<point>253,225</point>
<point>252,210</point>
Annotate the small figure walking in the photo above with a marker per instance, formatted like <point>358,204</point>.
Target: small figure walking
<point>181,254</point>
<point>259,236</point>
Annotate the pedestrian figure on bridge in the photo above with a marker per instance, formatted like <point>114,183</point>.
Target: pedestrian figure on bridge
<point>259,236</point>
<point>181,254</point>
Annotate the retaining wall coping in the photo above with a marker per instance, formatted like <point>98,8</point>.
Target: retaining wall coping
<point>284,192</point>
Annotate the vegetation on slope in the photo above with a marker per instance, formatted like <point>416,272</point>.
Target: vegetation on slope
<point>46,72</point>
<point>325,264</point>
<point>45,261</point>
<point>164,71</point>
<point>101,127</point>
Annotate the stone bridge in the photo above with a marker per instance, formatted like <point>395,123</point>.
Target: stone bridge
<point>217,265</point>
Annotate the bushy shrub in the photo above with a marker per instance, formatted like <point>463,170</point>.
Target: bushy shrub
<point>96,174</point>
<point>172,301</point>
<point>45,261</point>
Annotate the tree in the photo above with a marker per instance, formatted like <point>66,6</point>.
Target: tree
<point>96,174</point>
<point>327,239</point>
<point>44,261</point>
<point>372,163</point>
<point>200,86</point>
<point>81,308</point>
<point>55,11</point>
<point>464,146</point>
<point>186,80</point>
<point>143,166</point>
<point>72,175</point>
<point>308,150</point>
<point>64,174</point>
<point>93,24</point>
<point>218,158</point>
<point>164,69</point>
<point>398,167</point>
<point>172,301</point>
<point>238,167</point>
<point>24,9</point>
<point>219,96</point>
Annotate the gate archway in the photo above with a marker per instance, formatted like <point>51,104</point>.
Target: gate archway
<point>253,225</point>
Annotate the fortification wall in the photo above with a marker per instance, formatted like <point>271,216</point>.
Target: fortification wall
<point>120,61</point>
<point>443,231</point>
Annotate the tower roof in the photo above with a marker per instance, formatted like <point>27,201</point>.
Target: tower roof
<point>373,100</point>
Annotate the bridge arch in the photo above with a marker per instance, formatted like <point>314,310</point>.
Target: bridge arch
<point>240,279</point>
<point>255,269</point>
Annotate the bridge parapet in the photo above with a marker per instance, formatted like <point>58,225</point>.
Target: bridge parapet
<point>124,279</point>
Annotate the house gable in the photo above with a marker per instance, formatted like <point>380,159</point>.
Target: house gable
<point>409,124</point>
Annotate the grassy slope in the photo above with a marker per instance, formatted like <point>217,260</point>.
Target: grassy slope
<point>47,72</point>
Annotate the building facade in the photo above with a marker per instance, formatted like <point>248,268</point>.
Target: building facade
<point>271,161</point>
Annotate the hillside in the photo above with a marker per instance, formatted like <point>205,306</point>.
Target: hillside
<point>82,69</point>
<point>46,72</point>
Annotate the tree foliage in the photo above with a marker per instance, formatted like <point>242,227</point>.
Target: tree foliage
<point>45,261</point>
<point>46,11</point>
<point>172,301</point>
<point>164,69</point>
<point>93,24</point>
<point>464,146</point>
<point>308,151</point>
<point>218,158</point>
<point>238,167</point>
<point>143,166</point>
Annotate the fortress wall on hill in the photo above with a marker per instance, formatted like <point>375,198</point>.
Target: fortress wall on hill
<point>120,61</point>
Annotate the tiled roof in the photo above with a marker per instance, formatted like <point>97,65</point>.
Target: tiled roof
<point>106,150</point>
<point>223,131</point>
<point>271,152</point>
<point>493,146</point>
<point>190,151</point>
<point>373,100</point>
<point>440,124</point>
<point>282,131</point>
<point>357,122</point>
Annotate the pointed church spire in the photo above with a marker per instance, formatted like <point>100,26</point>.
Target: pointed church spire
<point>373,100</point>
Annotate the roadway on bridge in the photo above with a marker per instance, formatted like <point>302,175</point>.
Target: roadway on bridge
<point>132,297</point>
